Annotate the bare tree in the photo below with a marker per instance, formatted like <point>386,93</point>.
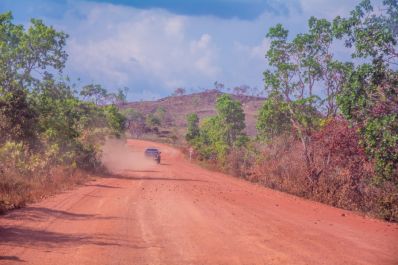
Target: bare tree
<point>179,91</point>
<point>218,86</point>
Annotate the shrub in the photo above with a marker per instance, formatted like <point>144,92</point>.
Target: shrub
<point>346,172</point>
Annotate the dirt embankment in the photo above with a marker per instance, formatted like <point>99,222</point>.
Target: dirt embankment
<point>179,213</point>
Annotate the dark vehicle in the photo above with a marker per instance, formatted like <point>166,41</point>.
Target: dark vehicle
<point>153,153</point>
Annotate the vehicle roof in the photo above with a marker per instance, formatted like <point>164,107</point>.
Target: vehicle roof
<point>151,149</point>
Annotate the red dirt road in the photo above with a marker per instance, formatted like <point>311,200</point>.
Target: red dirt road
<point>179,213</point>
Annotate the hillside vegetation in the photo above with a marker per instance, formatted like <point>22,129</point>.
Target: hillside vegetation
<point>173,110</point>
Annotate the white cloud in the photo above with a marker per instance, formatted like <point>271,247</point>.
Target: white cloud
<point>175,26</point>
<point>206,56</point>
<point>201,44</point>
<point>254,52</point>
<point>153,51</point>
<point>122,46</point>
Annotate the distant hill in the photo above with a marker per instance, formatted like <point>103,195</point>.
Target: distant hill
<point>178,107</point>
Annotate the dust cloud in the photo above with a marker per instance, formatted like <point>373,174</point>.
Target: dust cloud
<point>118,157</point>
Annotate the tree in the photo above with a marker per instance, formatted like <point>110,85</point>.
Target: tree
<point>135,122</point>
<point>372,34</point>
<point>241,90</point>
<point>218,86</point>
<point>179,91</point>
<point>17,117</point>
<point>220,134</point>
<point>152,121</point>
<point>40,112</point>
<point>94,93</point>
<point>212,143</point>
<point>120,97</point>
<point>231,118</point>
<point>366,93</point>
<point>370,95</point>
<point>192,127</point>
<point>39,49</point>
<point>160,113</point>
<point>274,118</point>
<point>296,69</point>
<point>330,73</point>
<point>115,120</point>
<point>306,62</point>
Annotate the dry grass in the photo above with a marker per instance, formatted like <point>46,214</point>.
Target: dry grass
<point>346,178</point>
<point>17,191</point>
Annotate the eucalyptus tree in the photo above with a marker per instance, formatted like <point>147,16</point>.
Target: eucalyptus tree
<point>296,69</point>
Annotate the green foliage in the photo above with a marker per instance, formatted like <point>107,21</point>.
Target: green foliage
<point>40,114</point>
<point>220,134</point>
<point>94,93</point>
<point>131,114</point>
<point>370,95</point>
<point>385,151</point>
<point>13,156</point>
<point>160,113</point>
<point>372,34</point>
<point>273,118</point>
<point>231,119</point>
<point>192,127</point>
<point>120,96</point>
<point>40,48</point>
<point>152,121</point>
<point>211,142</point>
<point>115,120</point>
<point>100,96</point>
<point>17,117</point>
<point>370,100</point>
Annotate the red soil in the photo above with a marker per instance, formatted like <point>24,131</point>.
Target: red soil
<point>179,213</point>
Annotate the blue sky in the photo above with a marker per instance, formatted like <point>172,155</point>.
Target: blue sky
<point>152,46</point>
<point>243,9</point>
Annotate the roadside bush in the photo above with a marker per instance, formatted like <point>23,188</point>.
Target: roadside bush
<point>240,161</point>
<point>19,170</point>
<point>346,172</point>
<point>345,168</point>
<point>279,165</point>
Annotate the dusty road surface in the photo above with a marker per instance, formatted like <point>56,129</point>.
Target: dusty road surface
<point>179,213</point>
